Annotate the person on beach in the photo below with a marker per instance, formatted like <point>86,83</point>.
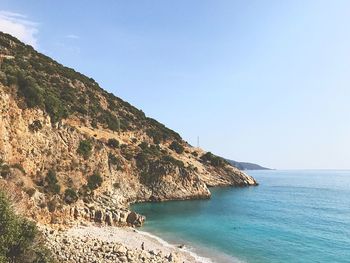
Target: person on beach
<point>143,246</point>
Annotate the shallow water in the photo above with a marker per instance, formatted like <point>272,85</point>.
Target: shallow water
<point>292,216</point>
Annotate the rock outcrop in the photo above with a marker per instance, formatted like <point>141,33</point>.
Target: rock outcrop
<point>106,216</point>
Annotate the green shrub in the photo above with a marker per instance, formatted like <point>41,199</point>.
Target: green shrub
<point>113,123</point>
<point>30,90</point>
<point>213,159</point>
<point>68,94</point>
<point>127,152</point>
<point>113,143</point>
<point>152,150</point>
<point>177,147</point>
<point>172,160</point>
<point>161,132</point>
<point>155,135</point>
<point>94,181</point>
<point>52,182</point>
<point>85,148</point>
<point>143,145</point>
<point>5,171</point>
<point>54,107</point>
<point>113,160</point>
<point>20,240</point>
<point>35,126</point>
<point>142,160</point>
<point>70,196</point>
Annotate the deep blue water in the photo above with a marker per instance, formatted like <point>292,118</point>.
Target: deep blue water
<point>292,216</point>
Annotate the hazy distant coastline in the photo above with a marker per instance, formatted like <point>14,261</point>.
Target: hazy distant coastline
<point>247,166</point>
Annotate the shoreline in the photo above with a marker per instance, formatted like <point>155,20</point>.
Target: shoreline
<point>184,248</point>
<point>124,244</point>
<point>115,244</point>
<point>199,252</point>
<point>133,239</point>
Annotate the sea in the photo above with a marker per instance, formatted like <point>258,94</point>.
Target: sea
<point>292,216</point>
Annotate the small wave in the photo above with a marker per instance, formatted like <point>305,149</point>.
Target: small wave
<point>185,249</point>
<point>219,257</point>
<point>190,251</point>
<point>197,257</point>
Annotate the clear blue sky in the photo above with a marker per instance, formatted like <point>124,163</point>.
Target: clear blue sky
<point>260,81</point>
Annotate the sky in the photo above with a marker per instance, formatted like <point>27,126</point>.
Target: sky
<point>259,81</point>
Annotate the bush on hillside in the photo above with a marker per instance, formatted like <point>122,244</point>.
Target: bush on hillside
<point>94,181</point>
<point>155,135</point>
<point>177,147</point>
<point>143,145</point>
<point>30,90</point>
<point>142,160</point>
<point>113,123</point>
<point>127,152</point>
<point>35,126</point>
<point>114,160</point>
<point>85,148</point>
<point>52,182</point>
<point>213,159</point>
<point>113,143</point>
<point>20,241</point>
<point>54,107</point>
<point>5,171</point>
<point>70,196</point>
<point>195,154</point>
<point>117,162</point>
<point>172,160</point>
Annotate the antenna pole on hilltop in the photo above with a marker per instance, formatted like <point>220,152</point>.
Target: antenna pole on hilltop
<point>197,141</point>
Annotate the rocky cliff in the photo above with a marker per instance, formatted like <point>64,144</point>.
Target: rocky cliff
<point>71,150</point>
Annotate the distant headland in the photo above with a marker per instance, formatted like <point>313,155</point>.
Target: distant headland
<point>247,166</point>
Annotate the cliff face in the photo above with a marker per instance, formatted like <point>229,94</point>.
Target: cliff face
<point>65,142</point>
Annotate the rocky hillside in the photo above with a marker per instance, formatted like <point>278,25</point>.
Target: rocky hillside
<point>70,149</point>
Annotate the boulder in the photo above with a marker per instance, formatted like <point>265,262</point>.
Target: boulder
<point>99,216</point>
<point>135,219</point>
<point>108,218</point>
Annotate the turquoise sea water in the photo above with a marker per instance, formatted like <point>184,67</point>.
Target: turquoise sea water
<point>292,216</point>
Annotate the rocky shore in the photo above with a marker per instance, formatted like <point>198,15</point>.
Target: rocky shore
<point>111,244</point>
